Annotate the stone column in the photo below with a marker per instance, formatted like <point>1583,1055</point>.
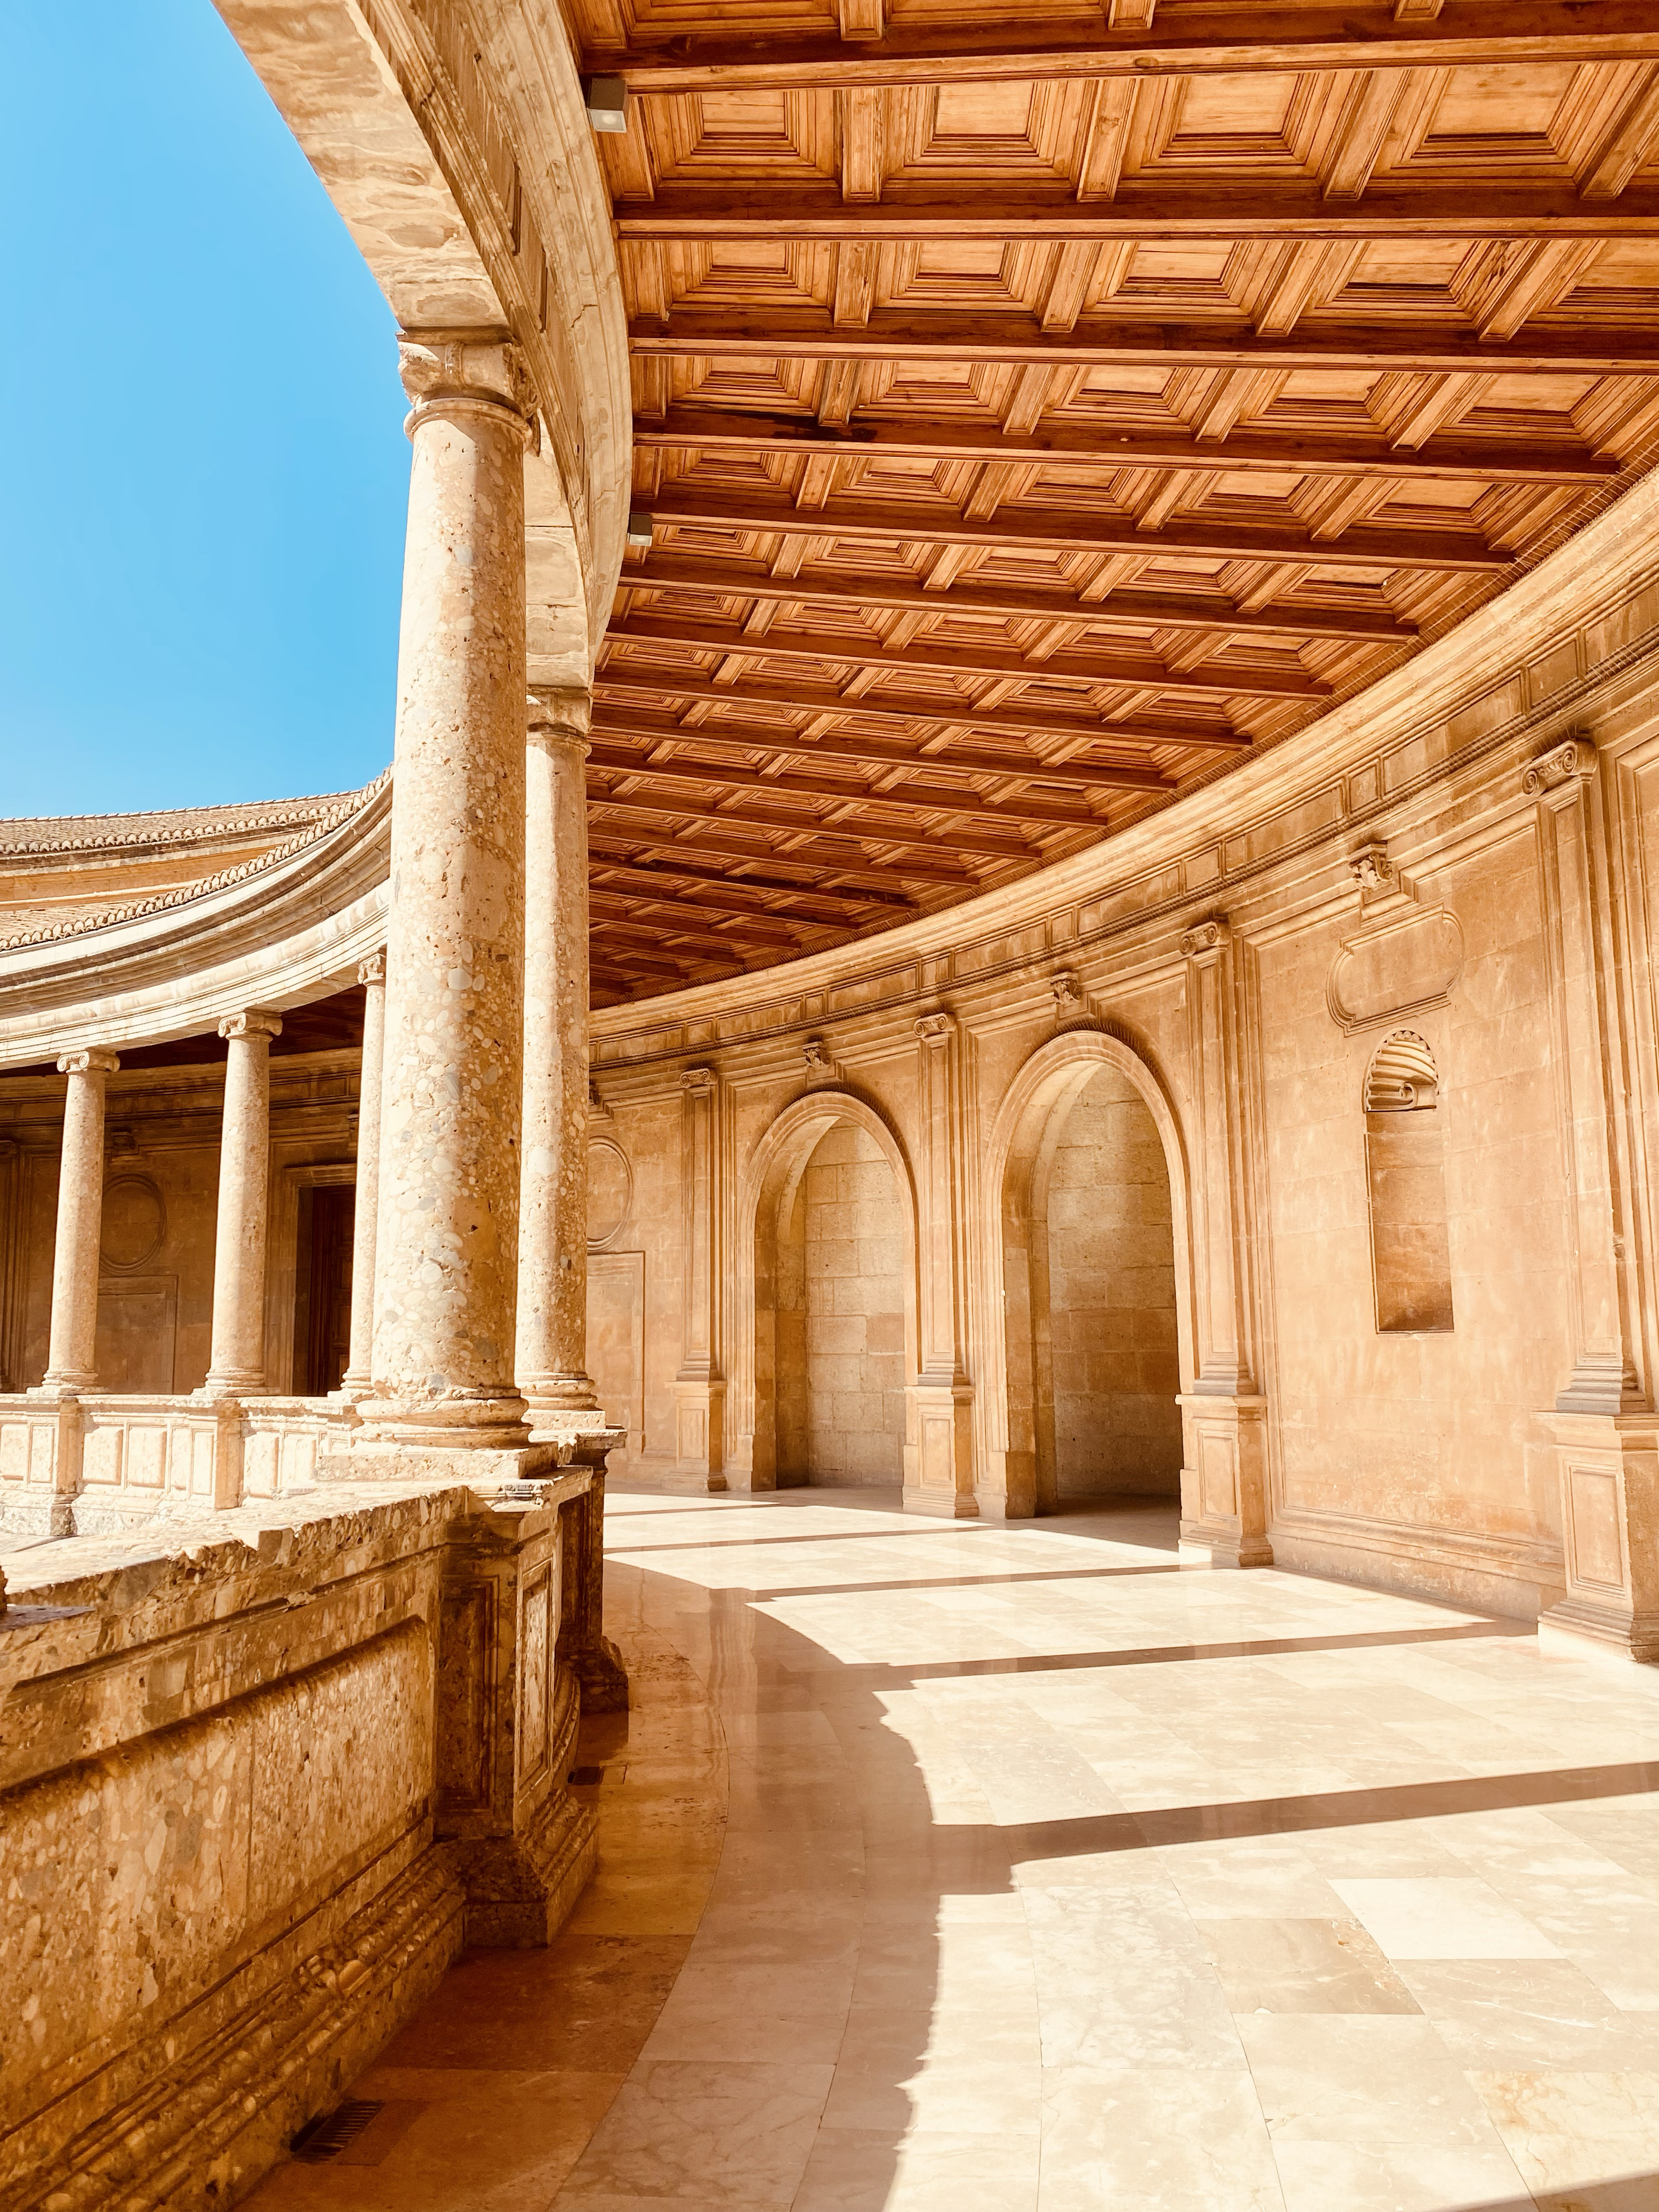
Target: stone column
<point>552,1336</point>
<point>358,1379</point>
<point>236,1361</point>
<point>699,1387</point>
<point>938,1466</point>
<point>1223,1480</point>
<point>70,1354</point>
<point>446,1230</point>
<point>1603,1423</point>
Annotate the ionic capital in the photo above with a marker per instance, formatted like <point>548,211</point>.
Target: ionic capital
<point>559,713</point>
<point>447,372</point>
<point>253,1022</point>
<point>698,1082</point>
<point>371,971</point>
<point>936,1029</point>
<point>1572,762</point>
<point>96,1060</point>
<point>1211,935</point>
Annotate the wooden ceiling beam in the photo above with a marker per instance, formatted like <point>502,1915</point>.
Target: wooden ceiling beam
<point>914,798</point>
<point>1142,670</point>
<point>745,437</point>
<point>668,923</point>
<point>742,814</point>
<point>1194,537</point>
<point>696,214</point>
<point>1087,672</point>
<point>704,775</point>
<point>746,927</point>
<point>1363,35</point>
<point>721,892</point>
<point>715,839</point>
<point>1110,342</point>
<point>621,676</point>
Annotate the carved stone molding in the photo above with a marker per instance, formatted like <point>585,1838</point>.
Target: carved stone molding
<point>1571,762</point>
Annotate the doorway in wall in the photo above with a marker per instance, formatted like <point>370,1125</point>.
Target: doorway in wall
<point>837,1363</point>
<point>1105,1351</point>
<point>322,1320</point>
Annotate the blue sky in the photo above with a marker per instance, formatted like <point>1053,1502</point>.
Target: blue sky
<point>202,471</point>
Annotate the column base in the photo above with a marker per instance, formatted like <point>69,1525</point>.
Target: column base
<point>1223,1481</point>
<point>520,1888</point>
<point>1608,1465</point>
<point>699,1437</point>
<point>938,1452</point>
<point>940,1504</point>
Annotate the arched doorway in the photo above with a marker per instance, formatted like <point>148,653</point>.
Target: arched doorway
<point>1087,1203</point>
<point>832,1232</point>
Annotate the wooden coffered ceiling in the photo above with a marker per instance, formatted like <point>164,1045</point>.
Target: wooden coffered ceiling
<point>1039,408</point>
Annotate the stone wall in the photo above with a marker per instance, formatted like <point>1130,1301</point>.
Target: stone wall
<point>255,1792</point>
<point>1111,1302</point>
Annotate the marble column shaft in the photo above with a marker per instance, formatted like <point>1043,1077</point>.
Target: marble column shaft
<point>359,1374</point>
<point>446,1232</point>
<point>236,1361</point>
<point>552,1330</point>
<point>71,1354</point>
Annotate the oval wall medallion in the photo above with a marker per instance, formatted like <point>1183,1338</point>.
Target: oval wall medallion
<point>1398,968</point>
<point>609,1190</point>
<point>135,1223</point>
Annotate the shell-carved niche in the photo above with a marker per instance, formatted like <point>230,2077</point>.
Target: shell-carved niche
<point>1402,964</point>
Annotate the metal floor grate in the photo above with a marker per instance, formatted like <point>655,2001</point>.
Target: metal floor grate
<point>331,2133</point>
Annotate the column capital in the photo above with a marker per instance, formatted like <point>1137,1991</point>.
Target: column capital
<point>446,373</point>
<point>96,1060</point>
<point>1211,935</point>
<point>555,711</point>
<point>372,970</point>
<point>696,1081</point>
<point>1571,762</point>
<point>937,1028</point>
<point>252,1021</point>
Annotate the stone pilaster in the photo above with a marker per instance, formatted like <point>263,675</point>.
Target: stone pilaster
<point>699,1387</point>
<point>446,1232</point>
<point>236,1360</point>
<point>360,1368</point>
<point>552,1332</point>
<point>1224,1478</point>
<point>938,1467</point>
<point>71,1353</point>
<point>1603,1424</point>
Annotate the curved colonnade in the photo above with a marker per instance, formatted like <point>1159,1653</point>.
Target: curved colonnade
<point>1315,1106</point>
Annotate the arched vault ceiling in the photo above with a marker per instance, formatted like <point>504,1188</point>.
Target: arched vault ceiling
<point>1041,409</point>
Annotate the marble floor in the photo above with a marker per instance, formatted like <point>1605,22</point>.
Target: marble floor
<point>983,1868</point>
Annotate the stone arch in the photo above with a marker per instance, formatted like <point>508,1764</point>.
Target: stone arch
<point>1019,1458</point>
<point>768,1193</point>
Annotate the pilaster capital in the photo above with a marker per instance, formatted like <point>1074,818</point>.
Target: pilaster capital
<point>253,1022</point>
<point>96,1060</point>
<point>1371,868</point>
<point>936,1029</point>
<point>698,1082</point>
<point>1571,762</point>
<point>372,970</point>
<point>1211,936</point>
<point>449,371</point>
<point>557,713</point>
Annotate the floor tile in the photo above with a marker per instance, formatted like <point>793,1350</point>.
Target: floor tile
<point>1437,1918</point>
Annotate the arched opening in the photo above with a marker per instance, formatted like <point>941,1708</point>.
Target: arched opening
<point>1105,1344</point>
<point>1095,1276</point>
<point>834,1334</point>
